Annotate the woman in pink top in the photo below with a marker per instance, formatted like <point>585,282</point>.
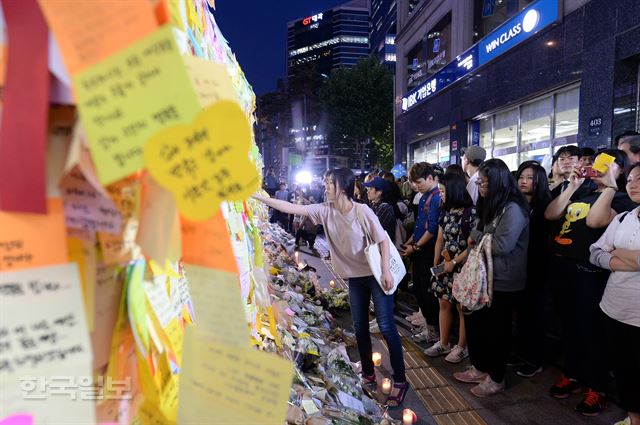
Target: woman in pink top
<point>347,241</point>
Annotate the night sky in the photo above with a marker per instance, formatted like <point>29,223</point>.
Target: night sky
<point>257,34</point>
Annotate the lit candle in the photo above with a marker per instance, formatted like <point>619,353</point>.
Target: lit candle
<point>332,283</point>
<point>301,265</point>
<point>408,417</point>
<point>297,255</point>
<point>386,386</point>
<point>377,359</point>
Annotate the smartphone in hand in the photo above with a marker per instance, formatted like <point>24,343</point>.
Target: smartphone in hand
<point>437,270</point>
<point>589,172</point>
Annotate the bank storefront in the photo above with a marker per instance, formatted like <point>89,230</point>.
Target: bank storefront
<point>539,81</point>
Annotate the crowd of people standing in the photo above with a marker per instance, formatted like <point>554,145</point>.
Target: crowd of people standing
<point>565,254</point>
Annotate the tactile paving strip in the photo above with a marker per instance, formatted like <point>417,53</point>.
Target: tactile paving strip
<point>442,400</point>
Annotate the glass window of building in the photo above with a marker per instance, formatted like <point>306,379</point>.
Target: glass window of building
<point>439,46</point>
<point>566,128</point>
<point>485,134</point>
<point>535,133</point>
<point>490,14</point>
<point>530,131</point>
<point>505,141</point>
<point>433,149</point>
<point>415,66</point>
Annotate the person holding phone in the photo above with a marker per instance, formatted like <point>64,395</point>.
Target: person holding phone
<point>347,242</point>
<point>618,250</point>
<point>457,218</point>
<point>579,284</point>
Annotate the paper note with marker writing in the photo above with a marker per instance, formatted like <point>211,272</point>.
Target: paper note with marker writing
<point>211,80</point>
<point>85,207</point>
<point>33,240</point>
<point>206,161</point>
<point>241,385</point>
<point>122,247</point>
<point>218,305</point>
<point>43,320</point>
<point>208,243</point>
<point>88,32</point>
<point>130,96</point>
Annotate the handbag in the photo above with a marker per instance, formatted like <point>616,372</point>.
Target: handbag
<point>374,258</point>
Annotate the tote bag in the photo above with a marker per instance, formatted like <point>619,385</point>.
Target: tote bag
<point>374,258</point>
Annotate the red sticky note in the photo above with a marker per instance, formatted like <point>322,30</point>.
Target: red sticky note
<point>23,132</point>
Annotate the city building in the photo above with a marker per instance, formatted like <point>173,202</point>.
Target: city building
<point>330,39</point>
<point>317,44</point>
<point>383,31</point>
<point>517,77</point>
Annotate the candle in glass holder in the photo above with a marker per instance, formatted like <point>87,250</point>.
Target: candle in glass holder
<point>332,283</point>
<point>408,417</point>
<point>386,386</point>
<point>377,359</point>
<point>301,265</point>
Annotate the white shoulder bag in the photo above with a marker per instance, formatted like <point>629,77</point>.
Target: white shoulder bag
<point>374,257</point>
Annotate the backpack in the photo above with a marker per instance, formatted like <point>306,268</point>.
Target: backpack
<point>473,286</point>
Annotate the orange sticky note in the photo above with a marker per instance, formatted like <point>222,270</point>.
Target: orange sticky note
<point>33,240</point>
<point>90,31</point>
<point>208,244</point>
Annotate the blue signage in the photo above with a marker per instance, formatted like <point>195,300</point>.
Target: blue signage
<point>517,29</point>
<point>451,73</point>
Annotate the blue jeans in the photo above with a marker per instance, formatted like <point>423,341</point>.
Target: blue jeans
<point>361,289</point>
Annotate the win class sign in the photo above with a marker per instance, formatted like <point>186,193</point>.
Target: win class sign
<point>517,29</point>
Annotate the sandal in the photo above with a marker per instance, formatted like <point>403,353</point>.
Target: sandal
<point>398,399</point>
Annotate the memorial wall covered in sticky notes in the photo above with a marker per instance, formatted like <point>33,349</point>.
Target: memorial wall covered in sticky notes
<point>126,98</point>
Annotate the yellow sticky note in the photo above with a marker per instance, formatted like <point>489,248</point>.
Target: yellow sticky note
<point>137,306</point>
<point>241,385</point>
<point>205,162</point>
<point>130,96</point>
<point>211,80</point>
<point>218,305</point>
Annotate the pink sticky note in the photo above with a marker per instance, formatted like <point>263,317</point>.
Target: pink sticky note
<point>20,419</point>
<point>289,312</point>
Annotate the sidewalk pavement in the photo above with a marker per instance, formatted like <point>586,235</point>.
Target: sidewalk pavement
<point>437,398</point>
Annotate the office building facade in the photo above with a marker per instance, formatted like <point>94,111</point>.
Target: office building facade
<point>383,31</point>
<point>520,78</point>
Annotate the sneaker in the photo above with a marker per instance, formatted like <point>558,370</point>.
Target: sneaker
<point>428,336</point>
<point>564,387</point>
<point>373,327</point>
<point>413,316</point>
<point>457,355</point>
<point>470,376</point>
<point>592,403</point>
<point>419,322</point>
<point>487,388</point>
<point>625,421</point>
<point>528,370</point>
<point>437,350</point>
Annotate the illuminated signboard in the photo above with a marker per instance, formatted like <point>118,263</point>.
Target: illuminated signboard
<point>519,28</point>
<point>451,73</point>
<point>310,20</point>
